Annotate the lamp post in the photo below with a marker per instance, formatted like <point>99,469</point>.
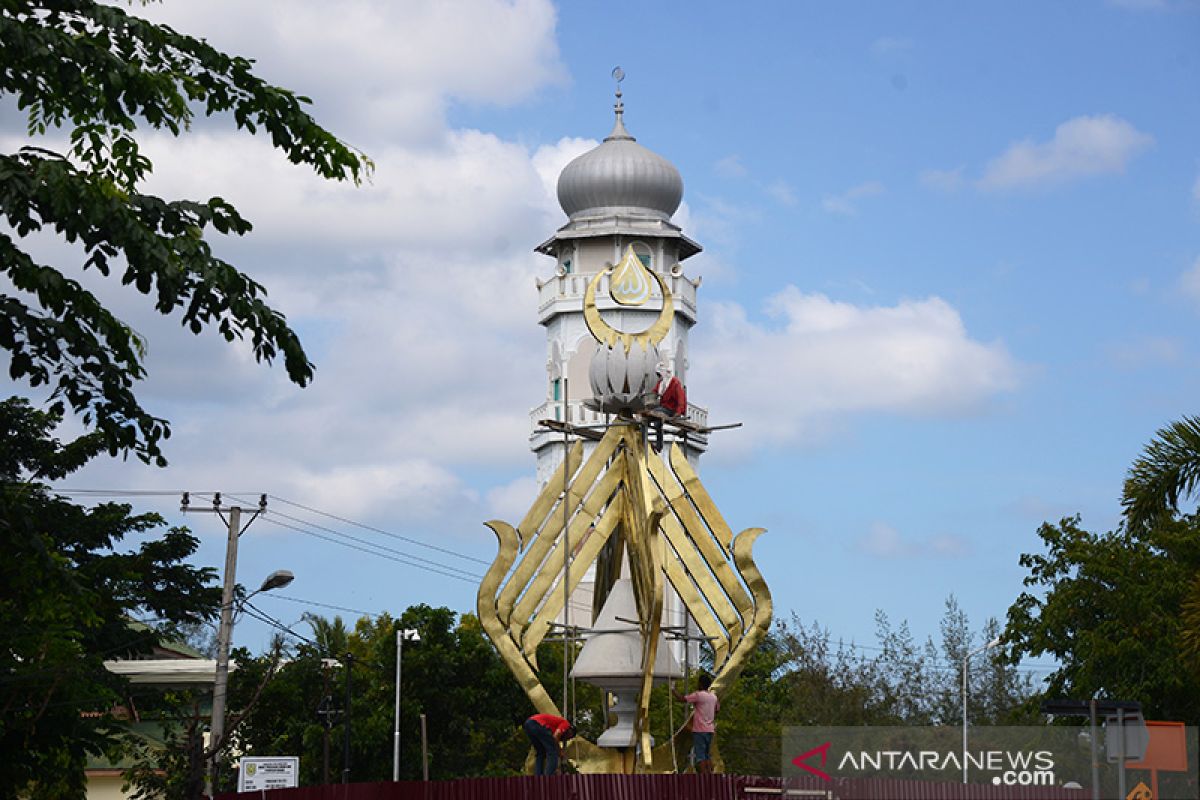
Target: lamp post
<point>413,636</point>
<point>966,660</point>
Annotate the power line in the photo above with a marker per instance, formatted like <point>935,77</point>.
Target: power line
<point>373,529</point>
<point>429,565</point>
<point>314,603</point>
<point>457,576</point>
<point>368,543</point>
<point>310,509</point>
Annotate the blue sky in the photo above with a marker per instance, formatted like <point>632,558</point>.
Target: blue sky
<point>951,279</point>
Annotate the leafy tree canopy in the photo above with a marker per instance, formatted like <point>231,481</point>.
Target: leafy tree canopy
<point>96,76</point>
<point>1107,607</point>
<point>474,707</point>
<point>67,595</point>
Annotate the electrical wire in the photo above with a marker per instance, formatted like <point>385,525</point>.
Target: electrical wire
<point>466,577</point>
<point>429,565</point>
<point>314,603</point>
<point>373,529</point>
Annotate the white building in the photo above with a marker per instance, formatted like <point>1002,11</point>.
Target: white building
<point>617,195</point>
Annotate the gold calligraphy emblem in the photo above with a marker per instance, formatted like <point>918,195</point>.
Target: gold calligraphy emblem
<point>630,283</point>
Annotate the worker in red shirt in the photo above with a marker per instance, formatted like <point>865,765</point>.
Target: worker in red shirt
<point>549,734</point>
<point>672,399</point>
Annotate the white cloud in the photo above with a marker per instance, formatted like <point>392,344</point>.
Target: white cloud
<point>1145,351</point>
<point>943,180</point>
<point>730,166</point>
<point>1081,146</point>
<point>385,72</point>
<point>884,541</point>
<point>418,197</point>
<point>511,501</point>
<point>782,191</point>
<point>822,360</point>
<point>846,202</point>
<point>1189,282</point>
<point>414,294</point>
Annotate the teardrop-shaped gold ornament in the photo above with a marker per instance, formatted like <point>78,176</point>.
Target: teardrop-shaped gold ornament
<point>630,282</point>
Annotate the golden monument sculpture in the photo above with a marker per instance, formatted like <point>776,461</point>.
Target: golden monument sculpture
<point>645,520</point>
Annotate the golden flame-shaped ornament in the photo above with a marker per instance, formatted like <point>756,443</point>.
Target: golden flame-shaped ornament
<point>630,283</point>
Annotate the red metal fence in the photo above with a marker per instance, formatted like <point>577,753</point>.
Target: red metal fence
<point>663,787</point>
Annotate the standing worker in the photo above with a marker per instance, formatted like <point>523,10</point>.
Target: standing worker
<point>704,721</point>
<point>549,734</point>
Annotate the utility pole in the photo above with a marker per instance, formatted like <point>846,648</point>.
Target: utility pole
<point>224,634</point>
<point>346,730</point>
<point>225,631</point>
<point>327,712</point>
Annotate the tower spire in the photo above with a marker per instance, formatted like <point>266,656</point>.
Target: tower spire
<point>618,131</point>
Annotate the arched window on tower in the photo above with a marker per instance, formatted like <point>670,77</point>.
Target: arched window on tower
<point>644,254</point>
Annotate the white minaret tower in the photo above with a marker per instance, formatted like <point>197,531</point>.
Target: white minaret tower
<point>618,195</point>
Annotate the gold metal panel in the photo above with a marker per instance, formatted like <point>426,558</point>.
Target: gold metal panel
<point>697,607</point>
<point>694,565</point>
<point>700,497</point>
<point>554,600</point>
<point>742,547</point>
<point>536,517</point>
<point>710,550</point>
<point>538,546</point>
<point>485,606</point>
<point>551,567</point>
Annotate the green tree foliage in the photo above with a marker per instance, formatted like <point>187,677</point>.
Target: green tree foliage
<point>473,706</point>
<point>800,676</point>
<point>93,76</point>
<point>67,593</point>
<point>1107,607</point>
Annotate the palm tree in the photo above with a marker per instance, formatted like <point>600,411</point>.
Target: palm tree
<point>1167,471</point>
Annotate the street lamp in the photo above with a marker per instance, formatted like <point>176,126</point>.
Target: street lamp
<point>993,643</point>
<point>413,636</point>
<point>276,580</point>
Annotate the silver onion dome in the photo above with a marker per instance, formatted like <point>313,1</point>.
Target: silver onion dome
<point>620,176</point>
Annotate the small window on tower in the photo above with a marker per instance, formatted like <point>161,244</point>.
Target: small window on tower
<point>567,266</point>
<point>556,385</point>
<point>644,254</point>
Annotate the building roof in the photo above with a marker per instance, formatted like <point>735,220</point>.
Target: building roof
<point>620,176</point>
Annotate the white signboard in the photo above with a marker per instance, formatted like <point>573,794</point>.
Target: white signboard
<point>268,772</point>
